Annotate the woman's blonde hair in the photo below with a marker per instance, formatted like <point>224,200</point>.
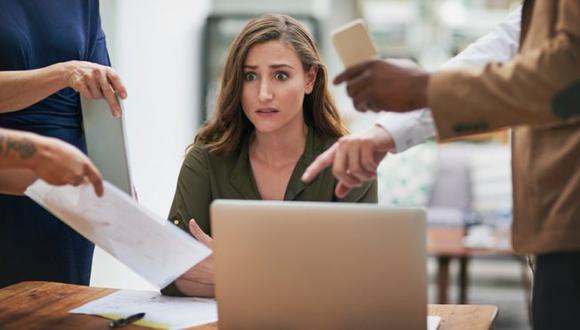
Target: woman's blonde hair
<point>229,125</point>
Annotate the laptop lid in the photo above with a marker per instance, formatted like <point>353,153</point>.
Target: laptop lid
<point>303,265</point>
<point>107,143</point>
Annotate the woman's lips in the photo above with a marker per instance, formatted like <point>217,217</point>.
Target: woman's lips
<point>266,112</point>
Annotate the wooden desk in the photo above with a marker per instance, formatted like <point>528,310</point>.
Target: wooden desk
<point>446,243</point>
<point>45,305</point>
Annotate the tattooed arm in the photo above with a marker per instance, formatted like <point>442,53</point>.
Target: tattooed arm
<point>26,156</point>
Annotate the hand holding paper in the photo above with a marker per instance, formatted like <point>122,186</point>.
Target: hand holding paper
<point>146,243</point>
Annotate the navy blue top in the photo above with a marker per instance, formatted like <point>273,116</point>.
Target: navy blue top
<point>34,245</point>
<point>37,33</point>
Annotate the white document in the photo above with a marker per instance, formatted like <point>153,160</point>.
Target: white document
<point>433,322</point>
<point>146,243</point>
<point>161,312</point>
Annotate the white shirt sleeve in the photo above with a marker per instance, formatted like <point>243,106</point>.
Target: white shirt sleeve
<point>500,45</point>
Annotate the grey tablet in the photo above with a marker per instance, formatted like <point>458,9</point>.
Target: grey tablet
<point>107,143</point>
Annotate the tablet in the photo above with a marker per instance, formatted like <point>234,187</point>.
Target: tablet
<point>107,143</point>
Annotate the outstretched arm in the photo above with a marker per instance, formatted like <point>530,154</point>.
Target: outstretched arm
<point>27,156</point>
<point>20,89</point>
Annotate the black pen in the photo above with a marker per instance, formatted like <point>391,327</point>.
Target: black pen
<point>126,320</point>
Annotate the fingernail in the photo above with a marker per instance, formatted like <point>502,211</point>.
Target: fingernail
<point>123,95</point>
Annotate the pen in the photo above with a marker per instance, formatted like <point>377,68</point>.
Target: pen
<point>126,320</point>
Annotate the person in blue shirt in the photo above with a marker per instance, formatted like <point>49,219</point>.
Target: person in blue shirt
<point>51,54</point>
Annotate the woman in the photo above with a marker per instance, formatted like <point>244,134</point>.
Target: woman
<point>50,51</point>
<point>274,115</point>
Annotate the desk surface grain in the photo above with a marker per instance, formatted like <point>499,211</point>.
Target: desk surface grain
<point>45,305</point>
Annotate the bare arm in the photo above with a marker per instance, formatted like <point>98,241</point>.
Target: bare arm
<point>21,89</point>
<point>15,181</point>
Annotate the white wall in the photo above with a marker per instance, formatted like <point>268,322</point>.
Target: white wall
<point>155,47</point>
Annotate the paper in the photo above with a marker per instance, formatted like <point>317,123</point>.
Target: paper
<point>433,322</point>
<point>146,243</point>
<point>161,312</point>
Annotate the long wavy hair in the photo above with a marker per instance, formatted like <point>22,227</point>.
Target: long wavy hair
<point>224,133</point>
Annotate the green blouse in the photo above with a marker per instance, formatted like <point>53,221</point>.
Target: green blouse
<point>205,177</point>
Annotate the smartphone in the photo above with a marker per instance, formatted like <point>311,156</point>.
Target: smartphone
<point>353,43</point>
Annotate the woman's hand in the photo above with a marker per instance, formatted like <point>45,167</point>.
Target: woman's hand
<point>95,81</point>
<point>199,280</point>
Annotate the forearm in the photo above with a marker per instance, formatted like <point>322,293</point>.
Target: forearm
<point>20,89</point>
<point>15,181</point>
<point>521,92</point>
<point>18,149</point>
<point>29,151</point>
<point>416,127</point>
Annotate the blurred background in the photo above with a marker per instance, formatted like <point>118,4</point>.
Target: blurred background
<point>170,54</point>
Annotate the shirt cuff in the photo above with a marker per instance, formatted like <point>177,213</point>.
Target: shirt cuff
<point>408,129</point>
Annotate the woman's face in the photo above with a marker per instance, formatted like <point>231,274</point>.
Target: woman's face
<point>274,86</point>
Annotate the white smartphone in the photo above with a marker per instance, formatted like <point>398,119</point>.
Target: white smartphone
<point>353,43</point>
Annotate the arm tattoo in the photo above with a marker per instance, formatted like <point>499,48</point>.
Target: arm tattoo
<point>23,147</point>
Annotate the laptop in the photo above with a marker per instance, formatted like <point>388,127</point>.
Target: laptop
<point>107,143</point>
<point>305,265</point>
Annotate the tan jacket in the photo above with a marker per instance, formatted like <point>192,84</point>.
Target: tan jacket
<point>538,93</point>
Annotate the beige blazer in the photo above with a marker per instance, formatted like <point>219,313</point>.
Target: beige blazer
<point>538,93</point>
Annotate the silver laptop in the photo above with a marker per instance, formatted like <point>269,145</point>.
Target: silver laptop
<point>107,143</point>
<point>301,265</point>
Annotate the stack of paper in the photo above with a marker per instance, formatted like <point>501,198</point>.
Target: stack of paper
<point>161,312</point>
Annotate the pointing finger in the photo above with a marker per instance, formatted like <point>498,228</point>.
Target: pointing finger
<point>321,162</point>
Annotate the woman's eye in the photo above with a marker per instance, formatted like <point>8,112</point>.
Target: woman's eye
<point>280,76</point>
<point>249,76</point>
